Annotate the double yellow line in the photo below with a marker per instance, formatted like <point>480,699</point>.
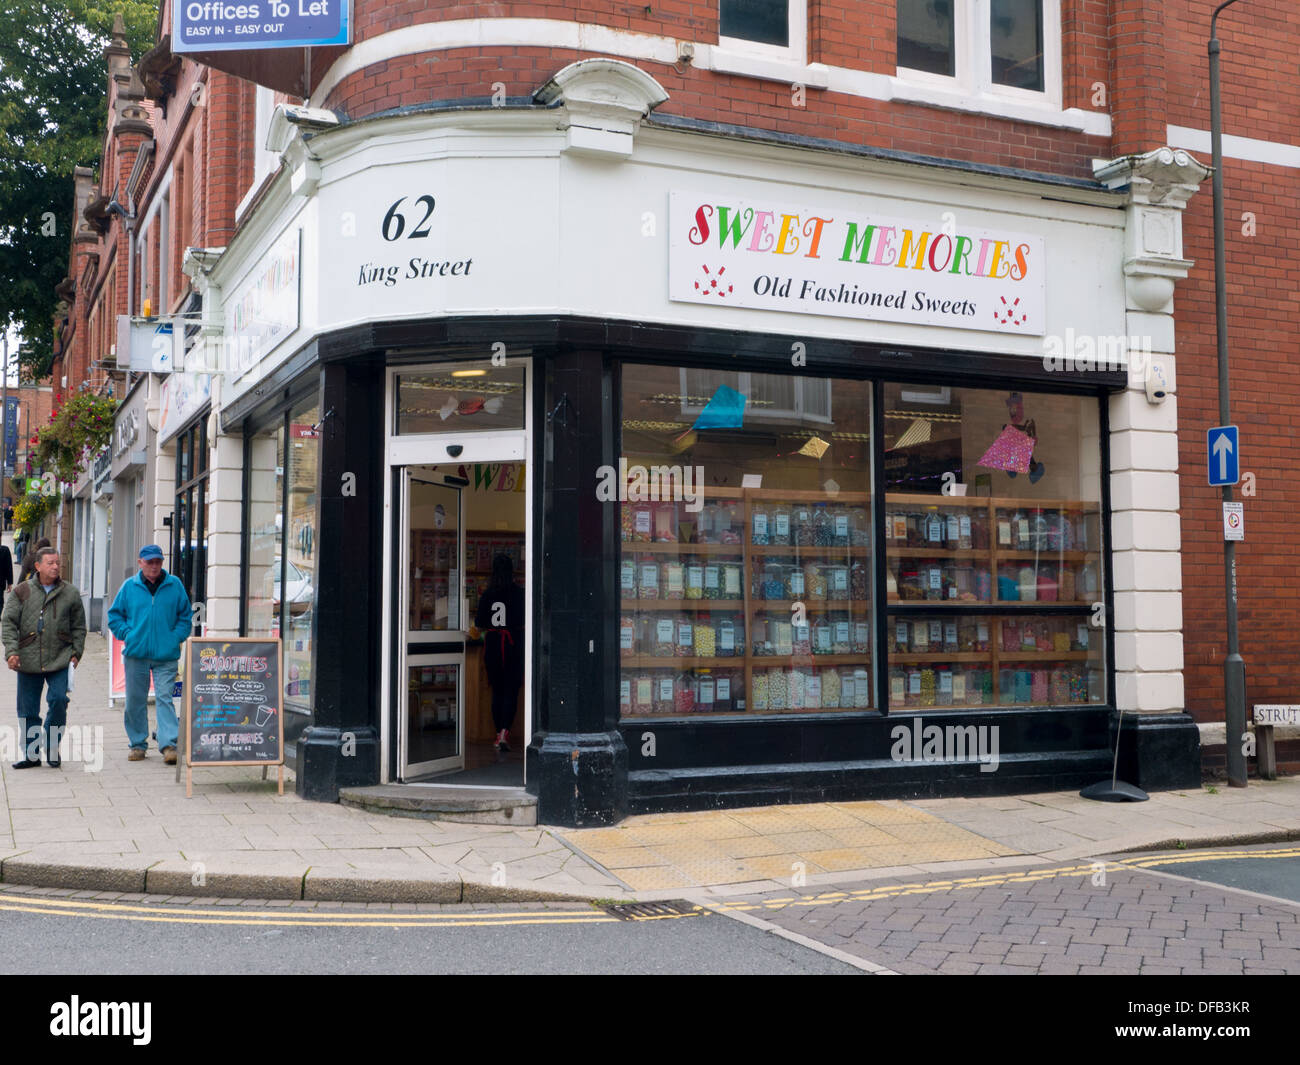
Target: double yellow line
<point>162,914</point>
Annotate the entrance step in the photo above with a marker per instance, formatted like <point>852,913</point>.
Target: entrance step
<point>483,806</point>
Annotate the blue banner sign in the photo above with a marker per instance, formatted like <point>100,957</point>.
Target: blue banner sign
<point>232,25</point>
<point>11,435</point>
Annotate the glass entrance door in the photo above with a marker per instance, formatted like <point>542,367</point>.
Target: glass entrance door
<point>432,727</point>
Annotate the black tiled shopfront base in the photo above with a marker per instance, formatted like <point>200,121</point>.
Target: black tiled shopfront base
<point>704,764</point>
<point>725,787</point>
<point>1160,751</point>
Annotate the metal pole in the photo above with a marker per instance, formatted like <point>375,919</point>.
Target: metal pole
<point>1234,668</point>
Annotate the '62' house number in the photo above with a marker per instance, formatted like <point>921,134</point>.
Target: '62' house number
<point>394,224</point>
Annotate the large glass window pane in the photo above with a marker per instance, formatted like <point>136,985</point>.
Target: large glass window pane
<point>265,451</point>
<point>469,397</point>
<point>1016,43</point>
<point>993,499</point>
<point>761,21</point>
<point>299,570</point>
<point>925,36</point>
<point>746,544</point>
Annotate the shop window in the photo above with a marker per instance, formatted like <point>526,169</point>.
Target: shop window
<point>190,514</point>
<point>297,580</point>
<point>263,521</point>
<point>280,523</point>
<point>745,568</point>
<point>473,397</point>
<point>999,47</point>
<point>994,548</point>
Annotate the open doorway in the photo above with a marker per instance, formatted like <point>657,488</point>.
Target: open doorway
<point>465,663</point>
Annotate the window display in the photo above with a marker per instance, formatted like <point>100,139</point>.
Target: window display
<point>981,512</point>
<point>759,588</point>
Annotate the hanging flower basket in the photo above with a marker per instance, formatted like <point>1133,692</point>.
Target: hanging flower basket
<point>32,509</point>
<point>76,431</point>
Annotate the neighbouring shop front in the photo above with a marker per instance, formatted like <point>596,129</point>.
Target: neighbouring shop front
<point>772,451</point>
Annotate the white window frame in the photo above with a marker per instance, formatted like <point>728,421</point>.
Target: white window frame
<point>745,384</point>
<point>265,161</point>
<point>973,63</point>
<point>797,51</point>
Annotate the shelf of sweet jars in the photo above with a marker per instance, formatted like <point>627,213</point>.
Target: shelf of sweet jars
<point>736,605</point>
<point>675,548</point>
<point>640,661</point>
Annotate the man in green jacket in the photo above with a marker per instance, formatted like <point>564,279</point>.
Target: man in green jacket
<point>44,628</point>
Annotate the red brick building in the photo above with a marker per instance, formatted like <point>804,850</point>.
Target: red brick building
<point>657,206</point>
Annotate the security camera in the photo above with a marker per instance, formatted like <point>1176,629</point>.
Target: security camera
<point>1156,385</point>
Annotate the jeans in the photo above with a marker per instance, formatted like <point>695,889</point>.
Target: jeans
<point>29,711</point>
<point>136,718</point>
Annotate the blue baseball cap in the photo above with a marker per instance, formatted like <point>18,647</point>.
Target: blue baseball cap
<point>151,551</point>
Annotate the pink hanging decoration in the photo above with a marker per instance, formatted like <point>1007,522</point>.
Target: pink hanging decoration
<point>1012,450</point>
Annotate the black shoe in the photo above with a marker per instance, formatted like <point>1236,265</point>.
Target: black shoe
<point>27,763</point>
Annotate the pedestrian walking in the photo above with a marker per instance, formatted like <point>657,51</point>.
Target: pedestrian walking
<point>29,559</point>
<point>6,569</point>
<point>44,630</point>
<point>500,615</point>
<point>151,616</point>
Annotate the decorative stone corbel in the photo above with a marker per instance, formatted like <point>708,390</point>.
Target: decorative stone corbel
<point>290,126</point>
<point>1159,184</point>
<point>197,264</point>
<point>604,101</point>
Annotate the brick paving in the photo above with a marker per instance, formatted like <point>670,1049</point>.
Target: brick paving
<point>1052,920</point>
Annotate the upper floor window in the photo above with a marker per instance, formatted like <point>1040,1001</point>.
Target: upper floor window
<point>1001,47</point>
<point>759,21</point>
<point>776,29</point>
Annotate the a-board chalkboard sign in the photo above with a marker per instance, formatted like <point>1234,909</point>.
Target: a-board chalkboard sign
<point>233,705</point>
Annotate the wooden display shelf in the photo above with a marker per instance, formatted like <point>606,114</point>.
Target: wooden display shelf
<point>680,662</point>
<point>809,661</point>
<point>936,552</point>
<point>753,557</point>
<point>1009,658</point>
<point>906,658</point>
<point>684,605</point>
<point>939,604</point>
<point>1049,556</point>
<point>654,548</point>
<point>814,605</point>
<point>787,550</point>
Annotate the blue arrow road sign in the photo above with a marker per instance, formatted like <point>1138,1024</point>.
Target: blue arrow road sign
<point>1222,453</point>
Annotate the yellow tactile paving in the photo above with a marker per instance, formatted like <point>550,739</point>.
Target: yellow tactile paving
<point>625,857</point>
<point>666,851</point>
<point>657,879</point>
<point>750,847</point>
<point>861,836</point>
<point>882,813</point>
<point>936,832</point>
<point>781,867</point>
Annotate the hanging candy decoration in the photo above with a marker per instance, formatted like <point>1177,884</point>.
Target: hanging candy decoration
<point>469,406</point>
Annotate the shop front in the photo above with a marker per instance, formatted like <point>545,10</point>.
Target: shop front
<point>788,493</point>
<point>132,471</point>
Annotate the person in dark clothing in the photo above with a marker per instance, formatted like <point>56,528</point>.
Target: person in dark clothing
<point>29,559</point>
<point>6,569</point>
<point>500,616</point>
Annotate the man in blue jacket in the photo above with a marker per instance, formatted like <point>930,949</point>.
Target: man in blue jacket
<point>151,616</point>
